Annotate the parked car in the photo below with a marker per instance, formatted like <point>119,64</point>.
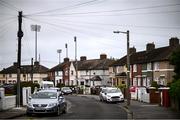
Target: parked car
<point>66,90</point>
<point>111,94</point>
<point>46,101</point>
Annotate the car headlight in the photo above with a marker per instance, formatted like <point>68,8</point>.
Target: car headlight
<point>29,105</point>
<point>108,96</point>
<point>52,104</point>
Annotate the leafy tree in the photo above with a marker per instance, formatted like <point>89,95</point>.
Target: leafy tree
<point>175,85</point>
<point>175,60</point>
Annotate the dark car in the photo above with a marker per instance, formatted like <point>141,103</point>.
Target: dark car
<point>66,90</point>
<point>46,101</point>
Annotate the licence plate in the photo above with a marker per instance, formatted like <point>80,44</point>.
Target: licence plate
<point>39,108</point>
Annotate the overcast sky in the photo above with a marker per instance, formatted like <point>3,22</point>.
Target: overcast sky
<point>91,21</point>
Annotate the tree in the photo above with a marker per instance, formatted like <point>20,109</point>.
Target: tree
<point>175,86</point>
<point>175,60</point>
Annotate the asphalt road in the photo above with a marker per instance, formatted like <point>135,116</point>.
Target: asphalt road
<point>82,107</point>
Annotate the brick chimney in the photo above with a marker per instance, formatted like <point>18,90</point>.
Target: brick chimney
<point>103,56</point>
<point>83,58</point>
<point>66,60</point>
<point>174,41</point>
<point>150,46</point>
<point>132,50</point>
<point>36,63</point>
<point>15,64</point>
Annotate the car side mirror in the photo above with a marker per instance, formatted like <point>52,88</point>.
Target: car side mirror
<point>61,94</point>
<point>30,97</point>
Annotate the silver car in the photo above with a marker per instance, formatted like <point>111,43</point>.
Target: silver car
<point>111,94</point>
<point>46,101</point>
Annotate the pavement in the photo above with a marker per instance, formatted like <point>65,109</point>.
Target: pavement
<point>13,113</point>
<point>141,110</point>
<point>136,110</point>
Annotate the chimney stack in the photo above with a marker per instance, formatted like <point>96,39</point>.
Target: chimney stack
<point>66,60</point>
<point>36,63</point>
<point>174,41</point>
<point>132,50</point>
<point>150,46</point>
<point>83,58</point>
<point>103,56</point>
<point>15,64</point>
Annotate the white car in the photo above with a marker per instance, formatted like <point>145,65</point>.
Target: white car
<point>111,94</point>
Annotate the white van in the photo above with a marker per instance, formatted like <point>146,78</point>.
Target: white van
<point>46,84</point>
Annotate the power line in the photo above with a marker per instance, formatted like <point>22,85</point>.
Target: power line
<point>64,8</point>
<point>114,11</point>
<point>7,5</point>
<point>105,24</point>
<point>100,15</point>
<point>76,22</point>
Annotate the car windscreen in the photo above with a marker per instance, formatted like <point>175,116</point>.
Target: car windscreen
<point>65,88</point>
<point>45,95</point>
<point>113,90</point>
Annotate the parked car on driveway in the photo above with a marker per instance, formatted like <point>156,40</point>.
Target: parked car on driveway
<point>111,94</point>
<point>46,101</point>
<point>66,90</point>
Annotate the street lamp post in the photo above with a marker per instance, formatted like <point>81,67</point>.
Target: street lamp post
<point>75,40</point>
<point>59,52</point>
<point>128,66</point>
<point>35,28</point>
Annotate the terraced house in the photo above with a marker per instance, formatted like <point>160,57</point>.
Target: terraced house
<point>149,65</point>
<point>35,73</point>
<point>90,72</point>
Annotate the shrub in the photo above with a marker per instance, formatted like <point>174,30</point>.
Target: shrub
<point>175,89</point>
<point>25,84</point>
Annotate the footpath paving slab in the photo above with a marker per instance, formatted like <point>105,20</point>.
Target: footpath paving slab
<point>12,113</point>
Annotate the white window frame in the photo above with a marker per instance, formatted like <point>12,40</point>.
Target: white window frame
<point>156,66</point>
<point>134,68</point>
<point>149,66</point>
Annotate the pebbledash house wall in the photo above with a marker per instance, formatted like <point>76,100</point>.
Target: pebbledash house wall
<point>164,74</point>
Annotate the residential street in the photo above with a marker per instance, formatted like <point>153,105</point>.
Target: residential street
<point>82,107</point>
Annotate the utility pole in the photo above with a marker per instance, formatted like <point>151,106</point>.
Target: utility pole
<point>128,66</point>
<point>19,35</point>
<point>32,69</point>
<point>76,60</point>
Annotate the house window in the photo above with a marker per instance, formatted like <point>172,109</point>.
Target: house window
<point>10,75</point>
<point>72,72</point>
<point>24,75</point>
<point>123,82</point>
<point>156,66</point>
<point>149,66</point>
<point>4,75</point>
<point>57,73</point>
<point>135,68</point>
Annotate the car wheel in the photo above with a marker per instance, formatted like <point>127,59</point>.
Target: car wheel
<point>65,109</point>
<point>58,111</point>
<point>28,114</point>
